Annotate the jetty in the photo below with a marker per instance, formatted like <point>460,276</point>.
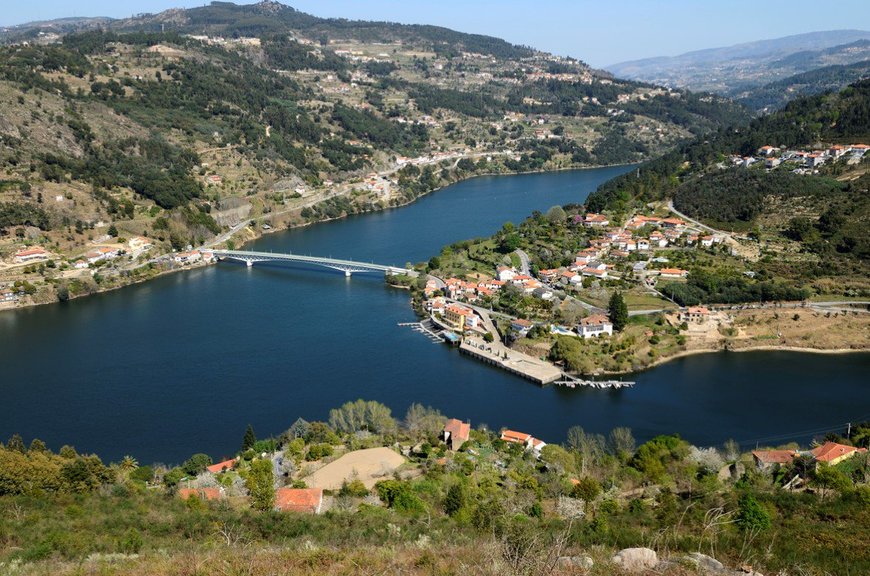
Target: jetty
<point>497,354</point>
<point>572,382</point>
<point>427,329</point>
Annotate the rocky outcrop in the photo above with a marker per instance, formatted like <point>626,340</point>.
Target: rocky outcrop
<point>636,560</point>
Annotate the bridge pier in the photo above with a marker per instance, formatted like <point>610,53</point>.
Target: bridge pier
<point>347,273</point>
<point>249,263</point>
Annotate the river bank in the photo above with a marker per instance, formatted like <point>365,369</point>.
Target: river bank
<point>251,233</point>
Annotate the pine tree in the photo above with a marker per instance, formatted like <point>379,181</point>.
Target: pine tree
<point>618,311</point>
<point>249,440</point>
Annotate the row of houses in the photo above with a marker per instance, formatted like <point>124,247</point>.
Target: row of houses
<point>830,453</point>
<point>773,156</point>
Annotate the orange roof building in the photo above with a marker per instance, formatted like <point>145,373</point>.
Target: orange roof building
<point>767,458</point>
<point>302,500</point>
<point>456,433</point>
<point>833,453</point>
<point>221,466</point>
<point>515,437</point>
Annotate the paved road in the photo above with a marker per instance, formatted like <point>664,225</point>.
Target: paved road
<point>524,262</point>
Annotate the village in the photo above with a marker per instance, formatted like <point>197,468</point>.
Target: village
<point>801,161</point>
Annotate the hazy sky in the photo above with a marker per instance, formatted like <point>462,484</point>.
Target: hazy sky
<point>599,32</point>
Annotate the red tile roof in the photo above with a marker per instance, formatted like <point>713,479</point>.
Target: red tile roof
<point>221,466</point>
<point>516,437</point>
<point>459,430</point>
<point>774,456</point>
<point>830,451</point>
<point>306,500</point>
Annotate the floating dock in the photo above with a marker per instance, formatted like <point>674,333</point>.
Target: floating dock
<point>572,382</point>
<point>426,329</point>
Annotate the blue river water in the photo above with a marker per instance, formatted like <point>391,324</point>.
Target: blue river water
<point>183,363</point>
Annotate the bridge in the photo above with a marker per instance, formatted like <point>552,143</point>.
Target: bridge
<point>347,266</point>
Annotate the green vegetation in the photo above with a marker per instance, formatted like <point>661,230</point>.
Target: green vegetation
<point>593,495</point>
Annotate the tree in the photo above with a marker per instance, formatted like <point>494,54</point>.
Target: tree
<point>621,442</point>
<point>587,489</point>
<point>751,516</point>
<point>260,483</point>
<point>249,440</point>
<point>423,421</point>
<point>456,499</point>
<point>113,231</point>
<point>828,477</point>
<point>196,464</point>
<point>618,311</point>
<point>16,443</point>
<point>556,215</point>
<point>362,415</point>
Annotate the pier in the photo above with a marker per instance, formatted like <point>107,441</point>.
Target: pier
<point>499,355</point>
<point>426,329</point>
<point>572,382</point>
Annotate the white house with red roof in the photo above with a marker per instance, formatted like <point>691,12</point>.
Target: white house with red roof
<point>35,254</point>
<point>594,326</point>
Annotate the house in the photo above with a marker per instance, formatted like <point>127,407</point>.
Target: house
<point>706,241</point>
<point>222,466</point>
<point>505,274</point>
<point>833,453</point>
<point>570,277</point>
<point>672,222</point>
<point>460,317</point>
<point>456,433</point>
<point>772,163</point>
<point>30,255</point>
<point>515,437</point>
<point>767,150</point>
<point>596,220</point>
<point>594,272</point>
<point>101,253</point>
<point>140,243</point>
<point>526,440</point>
<point>7,295</point>
<point>658,239</point>
<point>213,179</point>
<point>594,326</point>
<point>80,264</point>
<point>302,500</point>
<point>673,273</point>
<point>542,293</point>
<point>548,275</point>
<point>643,244</point>
<point>695,314</point>
<point>765,459</point>
<point>201,493</point>
<point>521,326</point>
<point>436,305</point>
<point>188,257</point>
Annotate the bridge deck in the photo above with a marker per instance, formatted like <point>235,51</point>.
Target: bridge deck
<point>346,266</point>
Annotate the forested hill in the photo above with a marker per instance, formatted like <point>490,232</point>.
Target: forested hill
<point>842,117</point>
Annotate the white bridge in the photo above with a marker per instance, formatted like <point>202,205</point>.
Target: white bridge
<point>346,266</point>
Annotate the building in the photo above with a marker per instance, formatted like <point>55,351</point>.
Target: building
<point>765,459</point>
<point>188,257</point>
<point>456,433</point>
<point>673,273</point>
<point>101,253</point>
<point>594,326</point>
<point>521,326</point>
<point>528,441</point>
<point>833,453</point>
<point>140,243</point>
<point>596,220</point>
<point>505,274</point>
<point>30,255</point>
<point>222,466</point>
<point>7,295</point>
<point>695,314</point>
<point>302,500</point>
<point>460,317</point>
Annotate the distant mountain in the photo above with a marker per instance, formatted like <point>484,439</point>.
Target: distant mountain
<point>829,78</point>
<point>734,69</point>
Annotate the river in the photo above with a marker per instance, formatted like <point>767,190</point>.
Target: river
<point>183,363</point>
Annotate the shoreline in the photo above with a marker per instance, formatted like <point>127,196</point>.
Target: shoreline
<point>259,233</point>
<point>763,348</point>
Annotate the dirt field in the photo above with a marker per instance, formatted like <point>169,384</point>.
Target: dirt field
<point>368,465</point>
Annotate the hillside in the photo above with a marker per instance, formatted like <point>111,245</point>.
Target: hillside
<point>807,222</point>
<point>259,114</point>
<point>487,505</point>
<point>735,70</point>
<point>777,94</point>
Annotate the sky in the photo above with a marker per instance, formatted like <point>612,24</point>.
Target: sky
<point>599,32</point>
